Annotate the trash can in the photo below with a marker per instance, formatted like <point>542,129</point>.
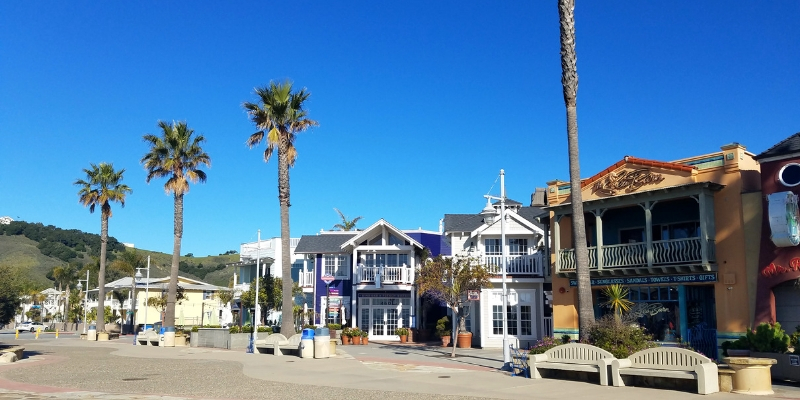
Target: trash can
<point>161,337</point>
<point>307,343</point>
<point>91,334</point>
<point>322,345</point>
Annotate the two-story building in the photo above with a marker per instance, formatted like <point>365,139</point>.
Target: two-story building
<point>479,236</point>
<point>673,233</point>
<point>366,278</point>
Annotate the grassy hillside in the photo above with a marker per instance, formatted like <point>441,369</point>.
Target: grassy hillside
<point>22,252</point>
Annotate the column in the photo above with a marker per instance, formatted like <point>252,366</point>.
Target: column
<point>598,218</point>
<point>648,230</point>
<point>703,201</point>
<point>557,240</point>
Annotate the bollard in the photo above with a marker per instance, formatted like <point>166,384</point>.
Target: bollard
<point>37,333</point>
<point>16,335</point>
<point>56,333</point>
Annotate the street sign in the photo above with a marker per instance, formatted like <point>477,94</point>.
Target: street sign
<point>328,279</point>
<point>473,295</point>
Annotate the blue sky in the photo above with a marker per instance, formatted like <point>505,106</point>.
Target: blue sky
<point>420,104</point>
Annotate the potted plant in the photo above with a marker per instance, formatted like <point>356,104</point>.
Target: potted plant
<point>403,333</point>
<point>335,330</point>
<point>770,341</point>
<point>180,338</point>
<point>443,330</point>
<point>347,336</point>
<point>365,337</point>
<point>355,336</point>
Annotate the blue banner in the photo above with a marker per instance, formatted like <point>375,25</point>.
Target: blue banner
<point>650,280</point>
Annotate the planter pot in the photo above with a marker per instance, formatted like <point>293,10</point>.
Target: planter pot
<point>113,328</point>
<point>356,340</point>
<point>364,340</point>
<point>464,340</point>
<point>738,353</point>
<point>180,340</point>
<point>445,341</point>
<point>787,366</point>
<point>102,336</point>
<point>403,338</point>
<point>346,340</point>
<point>193,339</point>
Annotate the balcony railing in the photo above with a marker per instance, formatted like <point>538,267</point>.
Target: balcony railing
<point>515,265</point>
<point>390,275</point>
<point>306,279</point>
<point>675,252</point>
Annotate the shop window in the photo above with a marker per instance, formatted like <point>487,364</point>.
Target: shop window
<point>497,320</point>
<point>512,321</point>
<point>526,320</point>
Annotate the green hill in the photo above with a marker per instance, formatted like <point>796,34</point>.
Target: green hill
<point>36,249</point>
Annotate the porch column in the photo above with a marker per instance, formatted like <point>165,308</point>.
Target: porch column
<point>353,294</point>
<point>648,230</point>
<point>557,241</point>
<point>598,218</point>
<point>704,200</point>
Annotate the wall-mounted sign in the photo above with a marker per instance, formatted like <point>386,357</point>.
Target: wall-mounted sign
<point>627,181</point>
<point>650,280</point>
<point>783,224</point>
<point>772,269</point>
<point>474,295</point>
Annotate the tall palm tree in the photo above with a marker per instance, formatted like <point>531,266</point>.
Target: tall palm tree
<point>65,275</point>
<point>280,116</point>
<point>178,156</point>
<point>347,224</point>
<point>569,82</point>
<point>103,185</point>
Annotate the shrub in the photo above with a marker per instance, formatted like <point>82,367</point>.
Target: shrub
<point>265,329</point>
<point>334,327</point>
<point>768,338</point>
<point>247,329</point>
<point>195,328</point>
<point>443,327</point>
<point>546,343</point>
<point>620,338</point>
<point>401,331</point>
<point>234,329</point>
<point>566,339</point>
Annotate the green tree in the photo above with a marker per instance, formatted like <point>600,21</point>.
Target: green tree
<point>11,291</point>
<point>279,117</point>
<point>270,294</point>
<point>103,185</point>
<point>177,156</point>
<point>65,275</point>
<point>569,83</point>
<point>449,280</point>
<point>162,303</point>
<point>346,224</point>
<point>617,300</point>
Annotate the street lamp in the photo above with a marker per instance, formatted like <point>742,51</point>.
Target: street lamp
<point>138,277</point>
<point>85,297</point>
<point>502,198</point>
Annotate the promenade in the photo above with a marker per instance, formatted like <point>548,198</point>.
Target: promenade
<point>69,368</point>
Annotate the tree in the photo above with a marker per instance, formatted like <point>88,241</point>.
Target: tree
<point>279,117</point>
<point>270,294</point>
<point>347,224</point>
<point>162,303</point>
<point>449,280</point>
<point>569,82</point>
<point>178,156</point>
<point>11,290</point>
<point>617,300</point>
<point>65,275</point>
<point>103,185</point>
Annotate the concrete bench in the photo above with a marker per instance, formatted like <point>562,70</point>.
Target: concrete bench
<point>669,362</point>
<point>573,357</point>
<point>148,338</point>
<point>278,342</point>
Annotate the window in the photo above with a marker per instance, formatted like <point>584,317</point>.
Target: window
<point>493,246</point>
<point>519,312</point>
<point>518,247</point>
<point>387,260</point>
<point>336,265</point>
<point>512,321</point>
<point>497,320</point>
<point>207,295</point>
<point>526,322</point>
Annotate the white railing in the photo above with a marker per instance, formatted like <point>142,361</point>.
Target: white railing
<point>241,287</point>
<point>402,274</point>
<point>306,279</point>
<point>515,265</point>
<point>548,326</point>
<point>665,252</point>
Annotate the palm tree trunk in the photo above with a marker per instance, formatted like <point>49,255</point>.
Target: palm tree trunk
<point>569,81</point>
<point>101,276</point>
<point>66,310</point>
<point>287,321</point>
<point>172,291</point>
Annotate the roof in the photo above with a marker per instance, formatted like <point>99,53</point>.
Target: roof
<point>509,202</point>
<point>787,146</point>
<point>163,283</point>
<point>323,243</point>
<point>637,161</point>
<point>369,231</point>
<point>470,222</point>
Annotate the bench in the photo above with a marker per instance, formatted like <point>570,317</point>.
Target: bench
<point>278,342</point>
<point>669,362</point>
<point>148,338</point>
<point>573,357</point>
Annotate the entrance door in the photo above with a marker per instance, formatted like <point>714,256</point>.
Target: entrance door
<point>378,323</point>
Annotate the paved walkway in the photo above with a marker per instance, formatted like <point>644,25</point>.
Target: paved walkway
<point>69,368</point>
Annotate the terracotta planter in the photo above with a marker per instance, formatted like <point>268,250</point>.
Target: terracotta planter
<point>364,340</point>
<point>346,340</point>
<point>356,340</point>
<point>403,338</point>
<point>445,341</point>
<point>464,340</point>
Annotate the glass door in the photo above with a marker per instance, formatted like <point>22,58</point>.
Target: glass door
<point>378,324</point>
<point>391,321</point>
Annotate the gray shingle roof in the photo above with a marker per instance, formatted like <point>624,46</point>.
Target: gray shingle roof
<point>789,145</point>
<point>323,243</point>
<point>470,222</point>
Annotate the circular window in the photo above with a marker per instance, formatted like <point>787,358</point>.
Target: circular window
<point>789,175</point>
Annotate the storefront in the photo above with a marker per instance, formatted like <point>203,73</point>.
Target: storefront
<point>381,313</point>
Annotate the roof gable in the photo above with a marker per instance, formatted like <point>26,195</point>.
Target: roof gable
<point>369,232</point>
<point>790,145</point>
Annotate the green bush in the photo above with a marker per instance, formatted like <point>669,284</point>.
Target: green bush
<point>443,327</point>
<point>546,343</point>
<point>247,329</point>
<point>234,329</point>
<point>195,328</point>
<point>620,338</point>
<point>267,329</point>
<point>768,338</point>
<point>400,331</point>
<point>334,327</point>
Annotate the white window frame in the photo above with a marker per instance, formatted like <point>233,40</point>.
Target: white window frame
<point>336,265</point>
<point>515,301</point>
<point>521,247</point>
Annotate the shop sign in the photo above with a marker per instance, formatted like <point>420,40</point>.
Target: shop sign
<point>783,219</point>
<point>772,269</point>
<point>628,181</point>
<point>650,280</point>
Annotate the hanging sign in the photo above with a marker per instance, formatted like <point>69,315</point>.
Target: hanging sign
<point>783,218</point>
<point>473,295</point>
<point>328,279</point>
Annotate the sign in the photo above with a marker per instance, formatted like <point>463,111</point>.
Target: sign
<point>783,224</point>
<point>391,295</point>
<point>794,361</point>
<point>333,291</point>
<point>328,279</point>
<point>628,181</point>
<point>474,295</point>
<point>650,280</point>
<point>772,269</point>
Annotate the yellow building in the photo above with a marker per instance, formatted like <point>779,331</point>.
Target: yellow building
<point>678,235</point>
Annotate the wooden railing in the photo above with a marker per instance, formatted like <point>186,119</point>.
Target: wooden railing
<point>403,274</point>
<point>665,252</point>
<point>515,265</point>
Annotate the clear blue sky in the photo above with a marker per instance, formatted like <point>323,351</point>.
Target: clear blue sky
<point>420,103</point>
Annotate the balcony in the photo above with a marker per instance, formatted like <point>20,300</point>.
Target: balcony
<point>402,275</point>
<point>677,255</point>
<point>517,265</point>
<point>306,279</point>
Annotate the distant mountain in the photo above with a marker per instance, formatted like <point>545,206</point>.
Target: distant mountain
<point>37,249</point>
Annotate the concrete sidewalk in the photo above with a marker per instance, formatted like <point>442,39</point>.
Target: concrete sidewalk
<point>379,370</point>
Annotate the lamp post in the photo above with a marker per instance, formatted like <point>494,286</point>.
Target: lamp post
<point>138,277</point>
<point>85,297</point>
<point>502,198</point>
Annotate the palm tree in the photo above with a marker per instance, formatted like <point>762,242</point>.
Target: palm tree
<point>65,275</point>
<point>617,300</point>
<point>102,186</point>
<point>280,116</point>
<point>126,264</point>
<point>346,224</point>
<point>178,156</point>
<point>569,82</point>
